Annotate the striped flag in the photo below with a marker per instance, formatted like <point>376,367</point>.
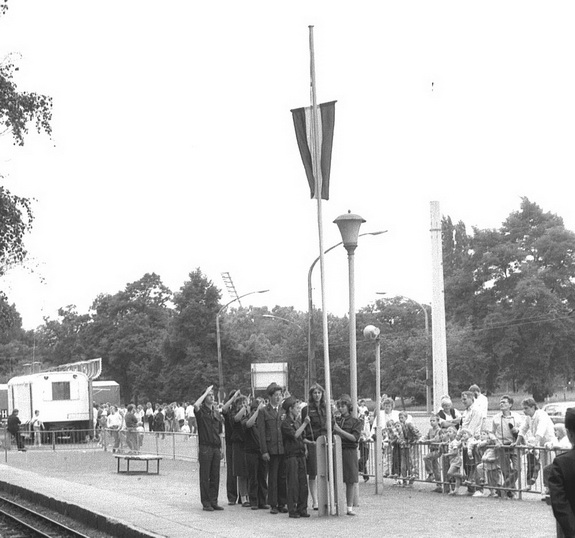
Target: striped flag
<point>302,119</point>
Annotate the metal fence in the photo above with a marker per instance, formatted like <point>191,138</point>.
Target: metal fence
<point>517,470</point>
<point>514,472</point>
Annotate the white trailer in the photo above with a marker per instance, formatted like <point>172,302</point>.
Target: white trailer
<point>63,398</point>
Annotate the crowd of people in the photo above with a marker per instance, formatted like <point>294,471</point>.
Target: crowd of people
<point>270,447</point>
<point>126,425</point>
<point>465,450</point>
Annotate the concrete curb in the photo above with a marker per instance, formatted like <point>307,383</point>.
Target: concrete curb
<point>97,521</point>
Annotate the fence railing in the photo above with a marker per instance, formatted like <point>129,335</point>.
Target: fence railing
<point>513,471</point>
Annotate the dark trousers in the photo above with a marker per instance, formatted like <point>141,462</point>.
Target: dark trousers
<point>231,480</point>
<point>297,490</point>
<point>363,457</point>
<point>18,439</point>
<point>277,481</point>
<point>209,458</point>
<point>509,463</point>
<point>257,479</point>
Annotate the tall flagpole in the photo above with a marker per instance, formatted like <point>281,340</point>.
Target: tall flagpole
<point>318,192</point>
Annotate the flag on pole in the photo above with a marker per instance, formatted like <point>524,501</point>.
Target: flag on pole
<point>302,120</point>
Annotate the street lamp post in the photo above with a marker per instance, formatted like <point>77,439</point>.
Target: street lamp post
<point>221,391</point>
<point>349,225</point>
<point>427,356</point>
<point>311,370</point>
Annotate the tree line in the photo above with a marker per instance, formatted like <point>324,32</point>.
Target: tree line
<point>509,307</point>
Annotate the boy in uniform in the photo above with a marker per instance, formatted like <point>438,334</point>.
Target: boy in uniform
<point>294,447</point>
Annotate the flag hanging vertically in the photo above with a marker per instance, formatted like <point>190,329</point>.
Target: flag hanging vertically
<point>302,119</point>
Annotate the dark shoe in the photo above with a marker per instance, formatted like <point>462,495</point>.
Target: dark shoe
<point>283,509</point>
<point>510,494</point>
<point>208,508</point>
<point>316,507</point>
<point>274,510</point>
<point>231,503</point>
<point>246,504</point>
<point>365,478</point>
<point>254,507</point>
<point>263,506</point>
<point>295,516</point>
<point>217,507</point>
<point>304,514</point>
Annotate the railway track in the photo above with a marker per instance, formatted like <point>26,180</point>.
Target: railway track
<point>19,521</point>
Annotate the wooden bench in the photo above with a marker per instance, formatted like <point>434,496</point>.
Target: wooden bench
<point>138,457</point>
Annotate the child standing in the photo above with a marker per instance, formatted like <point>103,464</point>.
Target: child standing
<point>349,429</point>
<point>455,457</point>
<point>431,459</point>
<point>257,468</point>
<point>407,447</point>
<point>294,453</point>
<point>488,470</point>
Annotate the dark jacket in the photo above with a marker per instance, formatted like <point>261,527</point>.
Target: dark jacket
<point>293,446</point>
<point>270,426</point>
<point>317,425</point>
<point>352,425</point>
<point>251,437</point>
<point>13,424</point>
<point>562,490</point>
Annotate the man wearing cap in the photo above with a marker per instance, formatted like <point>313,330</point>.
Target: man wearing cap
<point>209,450</point>
<point>269,423</point>
<point>296,473</point>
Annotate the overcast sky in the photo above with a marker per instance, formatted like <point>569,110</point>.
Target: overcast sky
<point>174,148</point>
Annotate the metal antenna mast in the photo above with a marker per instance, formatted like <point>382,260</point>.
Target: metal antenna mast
<point>230,287</point>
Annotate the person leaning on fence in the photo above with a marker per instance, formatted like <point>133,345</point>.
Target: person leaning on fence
<point>317,413</point>
<point>364,442</point>
<point>409,453</point>
<point>537,430</point>
<point>431,459</point>
<point>448,415</point>
<point>454,458</point>
<point>13,427</point>
<point>562,482</point>
<point>209,449</point>
<point>471,420</point>
<point>386,413</point>
<point>488,471</point>
<point>505,427</point>
<point>349,429</point>
<point>294,454</point>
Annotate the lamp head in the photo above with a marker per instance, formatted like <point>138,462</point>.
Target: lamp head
<point>349,225</point>
<point>371,332</point>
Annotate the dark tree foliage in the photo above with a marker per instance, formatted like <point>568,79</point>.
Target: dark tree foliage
<point>18,109</point>
<point>511,290</point>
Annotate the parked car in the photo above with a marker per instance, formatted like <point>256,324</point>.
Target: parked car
<point>556,410</point>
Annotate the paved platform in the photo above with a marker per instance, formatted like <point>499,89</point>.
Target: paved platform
<point>168,504</point>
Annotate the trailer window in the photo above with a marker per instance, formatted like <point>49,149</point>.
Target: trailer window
<point>61,390</point>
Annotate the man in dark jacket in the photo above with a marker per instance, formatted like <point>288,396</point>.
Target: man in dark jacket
<point>562,482</point>
<point>14,428</point>
<point>209,449</point>
<point>270,422</point>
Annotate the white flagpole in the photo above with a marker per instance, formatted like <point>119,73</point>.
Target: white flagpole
<point>318,190</point>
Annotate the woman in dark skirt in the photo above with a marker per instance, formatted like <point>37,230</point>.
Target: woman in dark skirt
<point>349,429</point>
<point>240,470</point>
<point>315,409</point>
